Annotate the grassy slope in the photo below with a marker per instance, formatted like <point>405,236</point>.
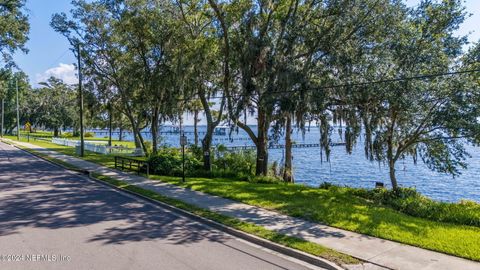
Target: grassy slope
<point>334,208</point>
<point>344,211</point>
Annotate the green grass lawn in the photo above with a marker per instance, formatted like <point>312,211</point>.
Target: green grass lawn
<point>49,134</point>
<point>39,133</point>
<point>341,210</point>
<point>106,160</point>
<point>332,207</point>
<point>289,241</point>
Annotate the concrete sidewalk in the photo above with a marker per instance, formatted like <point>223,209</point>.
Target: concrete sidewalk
<point>375,250</point>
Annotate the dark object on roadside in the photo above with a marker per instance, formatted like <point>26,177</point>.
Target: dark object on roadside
<point>379,185</point>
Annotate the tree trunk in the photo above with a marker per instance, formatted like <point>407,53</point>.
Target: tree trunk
<point>120,132</point>
<point>287,173</point>
<point>154,130</point>
<point>211,124</point>
<point>142,142</point>
<point>262,144</point>
<point>139,143</point>
<point>110,126</point>
<point>75,132</point>
<point>393,178</point>
<point>195,130</point>
<point>390,156</point>
<point>262,158</point>
<point>206,145</point>
<point>55,132</point>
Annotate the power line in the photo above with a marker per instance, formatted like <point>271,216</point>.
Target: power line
<point>60,57</point>
<point>418,77</point>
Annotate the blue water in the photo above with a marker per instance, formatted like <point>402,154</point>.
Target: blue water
<point>354,170</point>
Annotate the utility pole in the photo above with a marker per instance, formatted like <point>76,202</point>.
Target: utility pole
<point>80,96</point>
<point>3,117</point>
<point>18,112</point>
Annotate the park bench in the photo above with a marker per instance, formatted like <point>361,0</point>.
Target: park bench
<point>131,164</point>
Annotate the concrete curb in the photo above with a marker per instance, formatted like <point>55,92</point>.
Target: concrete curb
<point>299,255</point>
<point>317,261</point>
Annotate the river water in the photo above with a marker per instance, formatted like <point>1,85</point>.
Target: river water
<point>353,170</point>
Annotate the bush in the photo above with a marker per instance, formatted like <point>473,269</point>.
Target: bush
<point>326,185</point>
<point>89,134</point>
<point>411,202</point>
<point>67,135</point>
<point>168,161</point>
<point>237,164</point>
<point>148,146</point>
<point>265,180</point>
<point>196,151</point>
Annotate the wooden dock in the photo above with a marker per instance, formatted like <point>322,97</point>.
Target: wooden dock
<point>280,146</point>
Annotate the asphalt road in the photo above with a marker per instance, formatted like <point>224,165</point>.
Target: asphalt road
<point>51,218</point>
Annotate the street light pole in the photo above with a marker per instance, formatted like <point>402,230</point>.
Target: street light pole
<point>80,96</point>
<point>18,112</point>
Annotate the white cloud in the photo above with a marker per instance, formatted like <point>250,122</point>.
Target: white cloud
<point>65,72</point>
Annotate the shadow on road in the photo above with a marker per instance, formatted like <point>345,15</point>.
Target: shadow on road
<point>34,193</point>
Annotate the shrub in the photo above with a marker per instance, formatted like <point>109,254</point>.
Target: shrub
<point>326,185</point>
<point>168,161</point>
<point>196,151</point>
<point>265,180</point>
<point>89,134</point>
<point>411,202</point>
<point>237,164</point>
<point>67,135</point>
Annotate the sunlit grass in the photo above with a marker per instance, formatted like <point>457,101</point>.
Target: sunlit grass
<point>105,160</point>
<point>342,210</point>
<point>289,241</point>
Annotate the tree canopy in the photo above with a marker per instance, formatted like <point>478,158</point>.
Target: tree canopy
<point>14,28</point>
<point>393,77</point>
